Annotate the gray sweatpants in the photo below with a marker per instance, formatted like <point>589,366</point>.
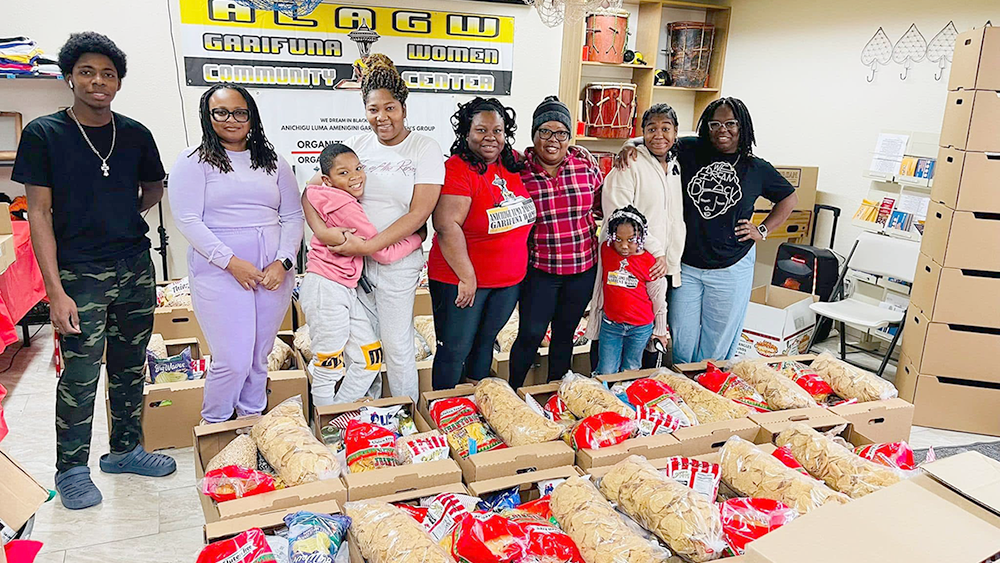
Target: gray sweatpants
<point>346,349</point>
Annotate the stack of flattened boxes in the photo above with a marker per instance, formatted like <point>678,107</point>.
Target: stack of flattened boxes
<point>952,339</point>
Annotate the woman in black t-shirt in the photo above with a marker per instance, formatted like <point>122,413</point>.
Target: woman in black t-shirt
<point>722,180</point>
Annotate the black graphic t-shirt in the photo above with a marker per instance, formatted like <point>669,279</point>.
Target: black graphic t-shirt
<point>719,190</point>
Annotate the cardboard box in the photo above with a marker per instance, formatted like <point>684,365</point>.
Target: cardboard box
<point>881,421</point>
<point>950,513</point>
<point>970,119</point>
<point>538,374</point>
<point>796,226</point>
<point>804,179</point>
<point>267,521</point>
<point>390,480</point>
<point>8,252</point>
<point>949,403</point>
<point>950,295</point>
<point>774,423</point>
<point>967,181</point>
<point>422,303</point>
<point>976,61</point>
<point>179,322</point>
<point>503,462</point>
<point>526,482</point>
<point>210,439</point>
<point>778,323</point>
<point>943,349</point>
<point>22,495</point>
<point>962,239</point>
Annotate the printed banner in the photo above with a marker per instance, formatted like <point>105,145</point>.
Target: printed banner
<point>438,52</point>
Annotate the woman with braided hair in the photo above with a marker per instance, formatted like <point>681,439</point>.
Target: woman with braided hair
<point>236,202</point>
<point>405,171</point>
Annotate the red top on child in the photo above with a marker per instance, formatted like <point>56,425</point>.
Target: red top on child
<point>626,299</point>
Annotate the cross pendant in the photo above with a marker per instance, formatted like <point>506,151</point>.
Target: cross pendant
<point>105,168</point>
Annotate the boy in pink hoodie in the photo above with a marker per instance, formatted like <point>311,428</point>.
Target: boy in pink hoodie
<point>339,326</point>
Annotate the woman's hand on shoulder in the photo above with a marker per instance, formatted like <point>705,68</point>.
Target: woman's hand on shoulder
<point>353,246</point>
<point>659,268</point>
<point>626,157</point>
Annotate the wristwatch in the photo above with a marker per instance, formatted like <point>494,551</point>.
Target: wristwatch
<point>762,229</point>
<point>287,264</point>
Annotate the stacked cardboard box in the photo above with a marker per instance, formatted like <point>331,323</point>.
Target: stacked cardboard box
<point>953,322</point>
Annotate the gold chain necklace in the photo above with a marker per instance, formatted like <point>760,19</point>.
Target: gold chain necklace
<point>114,134</point>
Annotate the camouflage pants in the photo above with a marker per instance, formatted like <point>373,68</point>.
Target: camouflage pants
<point>115,301</point>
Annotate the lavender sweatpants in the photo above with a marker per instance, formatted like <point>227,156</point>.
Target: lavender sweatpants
<point>240,325</point>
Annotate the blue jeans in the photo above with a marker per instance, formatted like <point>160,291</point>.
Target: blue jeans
<point>466,336</point>
<point>707,311</point>
<point>621,346</point>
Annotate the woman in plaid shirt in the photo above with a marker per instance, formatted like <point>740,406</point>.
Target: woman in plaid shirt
<point>565,183</point>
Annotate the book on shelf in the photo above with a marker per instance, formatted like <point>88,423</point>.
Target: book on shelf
<point>900,220</point>
<point>909,166</point>
<point>867,212</point>
<point>885,210</point>
<point>925,168</point>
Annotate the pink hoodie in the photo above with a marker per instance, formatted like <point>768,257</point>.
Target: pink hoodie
<point>340,209</point>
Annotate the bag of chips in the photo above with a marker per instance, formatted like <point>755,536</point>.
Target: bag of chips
<point>172,369</point>
<point>539,509</point>
<point>233,482</point>
<point>484,537</point>
<point>806,377</point>
<point>421,448</point>
<point>315,538</point>
<point>466,430</point>
<point>747,519</point>
<point>556,409</point>
<point>784,455</point>
<point>701,476</point>
<point>652,393</point>
<point>897,455</point>
<point>369,447</point>
<point>651,421</point>
<point>249,547</point>
<point>500,500</point>
<point>602,430</point>
<point>732,387</point>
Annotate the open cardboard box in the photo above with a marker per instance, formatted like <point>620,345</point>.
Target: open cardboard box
<point>180,322</point>
<point>212,438</point>
<point>390,480</point>
<point>501,462</point>
<point>773,423</point>
<point>8,252</point>
<point>965,181</point>
<point>525,482</point>
<point>539,372</point>
<point>267,521</point>
<point>778,322</point>
<point>22,495</point>
<point>950,512</point>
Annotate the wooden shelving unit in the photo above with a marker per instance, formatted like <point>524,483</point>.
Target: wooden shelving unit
<point>647,26</point>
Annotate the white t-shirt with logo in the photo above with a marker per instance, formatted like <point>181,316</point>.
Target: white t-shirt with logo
<point>394,171</point>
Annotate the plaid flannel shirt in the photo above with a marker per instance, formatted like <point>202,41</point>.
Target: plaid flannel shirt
<point>564,239</point>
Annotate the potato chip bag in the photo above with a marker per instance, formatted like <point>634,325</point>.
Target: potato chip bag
<point>369,447</point>
<point>249,547</point>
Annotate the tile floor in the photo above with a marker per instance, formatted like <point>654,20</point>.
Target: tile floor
<point>143,519</point>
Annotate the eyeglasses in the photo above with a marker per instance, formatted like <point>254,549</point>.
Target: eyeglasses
<point>731,125</point>
<point>546,134</point>
<point>222,115</point>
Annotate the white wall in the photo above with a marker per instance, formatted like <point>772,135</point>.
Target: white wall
<point>150,89</point>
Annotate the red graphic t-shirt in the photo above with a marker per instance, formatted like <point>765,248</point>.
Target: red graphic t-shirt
<point>496,229</point>
<point>625,297</point>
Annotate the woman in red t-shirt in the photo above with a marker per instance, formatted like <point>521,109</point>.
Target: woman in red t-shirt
<point>480,251</point>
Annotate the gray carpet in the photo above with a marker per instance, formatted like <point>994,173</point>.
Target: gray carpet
<point>988,449</point>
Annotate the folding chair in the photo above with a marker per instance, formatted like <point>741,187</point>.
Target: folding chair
<point>876,254</point>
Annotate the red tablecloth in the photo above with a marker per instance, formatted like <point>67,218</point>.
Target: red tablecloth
<point>21,286</point>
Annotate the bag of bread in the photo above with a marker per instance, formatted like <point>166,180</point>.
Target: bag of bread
<point>731,386</point>
<point>684,519</point>
<point>511,417</point>
<point>707,406</point>
<point>851,382</point>
<point>806,378</point>
<point>837,466</point>
<point>656,394</point>
<point>284,439</point>
<point>780,392</point>
<point>751,472</point>
<point>599,532</point>
<point>602,430</point>
<point>386,534</point>
<point>586,397</point>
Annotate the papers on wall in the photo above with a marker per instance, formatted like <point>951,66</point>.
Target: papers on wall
<point>889,152</point>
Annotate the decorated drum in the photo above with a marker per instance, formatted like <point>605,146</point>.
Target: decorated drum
<point>610,110</point>
<point>606,33</point>
<point>690,53</point>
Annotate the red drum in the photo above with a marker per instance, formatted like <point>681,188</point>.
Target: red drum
<point>606,33</point>
<point>690,53</point>
<point>610,110</point>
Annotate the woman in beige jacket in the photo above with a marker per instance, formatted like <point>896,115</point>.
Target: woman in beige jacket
<point>652,185</point>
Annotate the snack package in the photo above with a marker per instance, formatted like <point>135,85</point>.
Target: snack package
<point>494,538</point>
<point>511,417</point>
<point>700,476</point>
<point>556,409</point>
<point>897,455</point>
<point>284,438</point>
<point>386,417</point>
<point>851,382</point>
<point>200,366</point>
<point>418,513</point>
<point>806,378</point>
<point>241,452</point>
<point>459,419</point>
<point>651,421</point>
<point>602,430</point>
<point>157,346</point>
<point>174,294</point>
<point>539,509</point>
<point>750,472</point>
<point>232,482</point>
<point>315,538</point>
<point>731,386</point>
<point>421,448</point>
<point>747,519</point>
<point>385,534</point>
<point>172,369</point>
<point>707,406</point>
<point>600,533</point>
<point>784,455</point>
<point>249,547</point>
<point>369,447</point>
<point>500,500</point>
<point>656,394</point>
<point>684,519</point>
<point>837,466</point>
<point>586,397</point>
<point>445,511</point>
<point>780,392</point>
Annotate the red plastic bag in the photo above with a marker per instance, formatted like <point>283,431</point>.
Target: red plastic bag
<point>603,430</point>
<point>454,413</point>
<point>557,409</point>
<point>483,537</point>
<point>539,509</point>
<point>248,547</point>
<point>784,455</point>
<point>806,378</point>
<point>897,455</point>
<point>732,387</point>
<point>418,513</point>
<point>700,476</point>
<point>233,482</point>
<point>369,447</point>
<point>747,519</point>
<point>652,393</point>
<point>3,423</point>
